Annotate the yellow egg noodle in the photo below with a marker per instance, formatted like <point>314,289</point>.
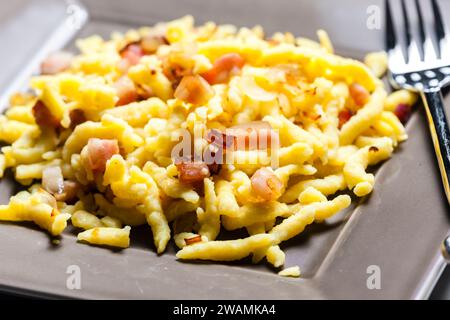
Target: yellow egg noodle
<point>94,142</point>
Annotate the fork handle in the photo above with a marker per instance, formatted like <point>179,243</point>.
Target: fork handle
<point>440,133</point>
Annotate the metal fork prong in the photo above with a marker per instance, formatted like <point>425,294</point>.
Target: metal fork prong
<point>393,47</point>
<point>426,43</point>
<point>412,54</point>
<point>407,27</point>
<point>441,34</point>
<point>391,38</point>
<point>422,33</point>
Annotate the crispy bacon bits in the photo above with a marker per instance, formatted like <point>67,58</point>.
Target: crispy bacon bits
<point>344,116</point>
<point>194,89</point>
<point>56,62</point>
<point>223,68</point>
<point>43,117</point>
<point>131,54</point>
<point>214,168</point>
<point>403,112</point>
<point>99,152</point>
<point>77,117</point>
<point>192,172</point>
<point>126,91</point>
<point>192,240</point>
<point>359,94</point>
<point>266,185</point>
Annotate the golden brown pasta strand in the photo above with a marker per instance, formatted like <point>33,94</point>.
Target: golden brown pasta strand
<point>209,219</point>
<point>225,250</point>
<point>296,223</point>
<point>364,118</point>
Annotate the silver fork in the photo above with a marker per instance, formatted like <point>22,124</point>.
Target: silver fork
<point>425,70</point>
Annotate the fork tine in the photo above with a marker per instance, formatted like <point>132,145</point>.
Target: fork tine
<point>406,23</point>
<point>391,38</point>
<point>440,31</point>
<point>412,54</point>
<point>426,44</point>
<point>422,35</point>
<point>396,56</point>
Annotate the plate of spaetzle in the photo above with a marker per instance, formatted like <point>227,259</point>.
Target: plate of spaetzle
<point>188,158</point>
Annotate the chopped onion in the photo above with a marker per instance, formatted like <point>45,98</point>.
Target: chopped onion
<point>70,191</point>
<point>53,180</point>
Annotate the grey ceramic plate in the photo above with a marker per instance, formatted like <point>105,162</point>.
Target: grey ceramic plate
<point>398,229</point>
